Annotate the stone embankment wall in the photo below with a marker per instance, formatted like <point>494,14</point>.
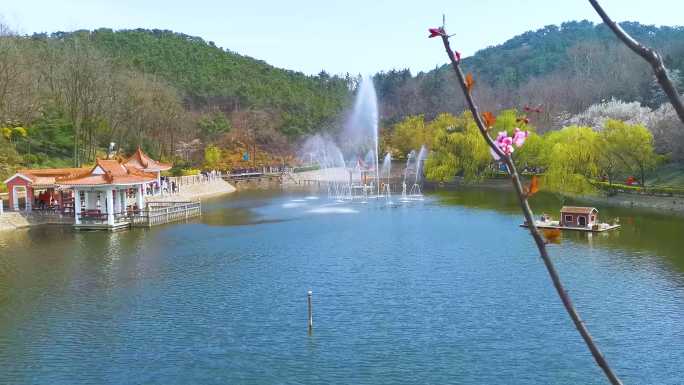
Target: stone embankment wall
<point>195,191</point>
<point>12,220</point>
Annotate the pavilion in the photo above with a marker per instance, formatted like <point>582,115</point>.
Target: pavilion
<point>142,162</point>
<point>102,193</point>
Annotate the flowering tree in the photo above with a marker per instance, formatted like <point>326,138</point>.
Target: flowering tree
<point>650,55</point>
<point>501,148</point>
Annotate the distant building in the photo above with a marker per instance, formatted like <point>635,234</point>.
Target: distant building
<point>39,183</point>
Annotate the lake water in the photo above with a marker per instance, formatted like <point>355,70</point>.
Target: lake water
<point>445,291</point>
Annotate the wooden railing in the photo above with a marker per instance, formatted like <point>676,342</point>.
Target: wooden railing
<point>158,213</point>
<point>194,179</point>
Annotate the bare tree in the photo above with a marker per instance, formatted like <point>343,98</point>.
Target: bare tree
<point>466,84</point>
<point>650,55</point>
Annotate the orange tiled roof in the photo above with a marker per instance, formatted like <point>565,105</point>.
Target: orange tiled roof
<point>141,161</point>
<point>108,172</point>
<point>46,177</point>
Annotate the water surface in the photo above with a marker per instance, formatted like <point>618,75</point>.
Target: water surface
<point>447,291</point>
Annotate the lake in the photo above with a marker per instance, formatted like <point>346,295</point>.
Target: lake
<point>444,291</point>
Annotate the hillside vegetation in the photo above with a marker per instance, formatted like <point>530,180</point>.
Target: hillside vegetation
<point>64,97</point>
<point>565,69</point>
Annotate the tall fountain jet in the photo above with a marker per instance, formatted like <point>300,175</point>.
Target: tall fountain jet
<point>361,130</point>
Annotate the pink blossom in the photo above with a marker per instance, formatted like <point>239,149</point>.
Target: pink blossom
<point>519,137</point>
<point>434,32</point>
<point>504,143</point>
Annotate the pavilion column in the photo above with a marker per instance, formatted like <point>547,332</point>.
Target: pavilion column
<point>14,198</point>
<point>77,207</point>
<point>139,195</point>
<point>109,198</point>
<point>85,200</point>
<point>159,181</point>
<point>117,201</point>
<point>122,199</point>
<point>29,198</point>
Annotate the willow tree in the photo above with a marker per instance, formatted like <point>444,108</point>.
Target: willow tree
<point>572,160</point>
<point>458,149</point>
<point>631,145</point>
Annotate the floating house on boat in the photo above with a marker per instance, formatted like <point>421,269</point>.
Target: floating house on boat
<point>574,218</point>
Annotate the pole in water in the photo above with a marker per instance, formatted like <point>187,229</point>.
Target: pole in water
<point>309,293</point>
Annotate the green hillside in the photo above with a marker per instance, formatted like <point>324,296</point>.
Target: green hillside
<point>65,96</point>
<point>566,68</point>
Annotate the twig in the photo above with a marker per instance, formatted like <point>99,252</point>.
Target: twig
<point>649,54</point>
<point>529,218</point>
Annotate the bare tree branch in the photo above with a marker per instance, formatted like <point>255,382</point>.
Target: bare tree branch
<point>650,55</point>
<point>529,217</point>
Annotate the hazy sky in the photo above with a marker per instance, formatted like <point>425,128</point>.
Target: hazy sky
<point>356,36</point>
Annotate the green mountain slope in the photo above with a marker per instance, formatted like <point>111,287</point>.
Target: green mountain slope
<point>206,74</point>
<point>565,68</point>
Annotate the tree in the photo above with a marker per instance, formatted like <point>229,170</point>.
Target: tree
<point>214,124</point>
<point>572,160</point>
<point>408,135</point>
<point>632,145</point>
<point>651,56</point>
<point>458,150</point>
<point>212,156</point>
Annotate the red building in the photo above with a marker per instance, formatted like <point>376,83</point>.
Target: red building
<point>40,187</point>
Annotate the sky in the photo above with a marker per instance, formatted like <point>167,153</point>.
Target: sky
<point>351,36</point>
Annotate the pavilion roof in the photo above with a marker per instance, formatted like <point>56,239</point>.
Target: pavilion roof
<point>108,172</point>
<point>46,177</point>
<point>142,161</point>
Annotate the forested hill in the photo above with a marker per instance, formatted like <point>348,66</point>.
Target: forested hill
<point>65,96</point>
<point>566,68</point>
<point>209,75</point>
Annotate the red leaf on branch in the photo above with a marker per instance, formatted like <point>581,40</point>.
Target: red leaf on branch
<point>434,32</point>
<point>533,188</point>
<point>469,81</point>
<point>489,119</point>
<point>457,56</point>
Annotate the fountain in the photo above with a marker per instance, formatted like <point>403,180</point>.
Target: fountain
<point>415,189</point>
<point>349,164</point>
<point>386,174</point>
<point>361,129</point>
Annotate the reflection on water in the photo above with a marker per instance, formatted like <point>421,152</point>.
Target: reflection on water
<point>449,290</point>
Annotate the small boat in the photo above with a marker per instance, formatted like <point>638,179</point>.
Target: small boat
<point>574,218</point>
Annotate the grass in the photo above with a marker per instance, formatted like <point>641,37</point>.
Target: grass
<point>669,175</point>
